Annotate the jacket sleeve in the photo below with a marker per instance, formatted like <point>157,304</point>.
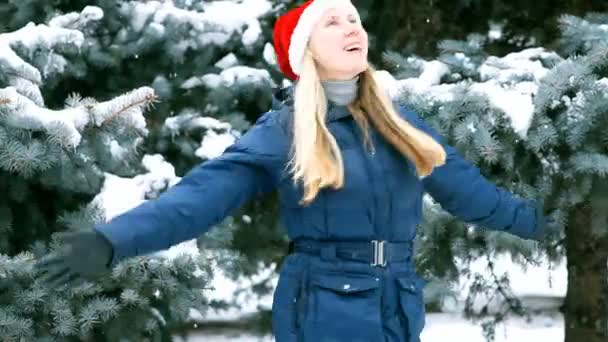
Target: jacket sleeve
<point>461,190</point>
<point>203,197</point>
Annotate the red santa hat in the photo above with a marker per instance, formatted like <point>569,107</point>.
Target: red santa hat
<point>292,31</point>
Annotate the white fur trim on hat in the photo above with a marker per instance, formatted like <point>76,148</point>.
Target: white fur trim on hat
<point>304,27</point>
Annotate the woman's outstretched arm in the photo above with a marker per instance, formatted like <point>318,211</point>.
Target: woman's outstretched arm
<point>203,197</point>
<point>460,189</point>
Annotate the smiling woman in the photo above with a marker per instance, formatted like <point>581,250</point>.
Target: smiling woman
<point>323,41</point>
<point>351,200</point>
<point>339,44</point>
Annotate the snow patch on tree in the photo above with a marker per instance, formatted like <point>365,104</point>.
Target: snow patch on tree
<point>215,24</point>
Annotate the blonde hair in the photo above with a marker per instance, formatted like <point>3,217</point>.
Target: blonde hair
<point>316,160</point>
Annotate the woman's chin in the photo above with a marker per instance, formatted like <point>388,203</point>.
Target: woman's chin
<point>347,71</point>
<point>358,68</point>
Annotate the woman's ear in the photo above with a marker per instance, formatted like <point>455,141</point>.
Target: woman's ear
<point>308,52</point>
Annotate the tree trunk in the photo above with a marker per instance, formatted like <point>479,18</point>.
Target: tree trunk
<point>586,305</point>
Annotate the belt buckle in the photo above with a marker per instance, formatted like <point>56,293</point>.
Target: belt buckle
<point>379,258</point>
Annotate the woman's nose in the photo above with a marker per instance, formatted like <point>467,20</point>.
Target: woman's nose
<point>352,30</point>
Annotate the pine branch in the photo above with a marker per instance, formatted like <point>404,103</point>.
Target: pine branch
<point>25,77</point>
<point>580,34</point>
<point>78,21</point>
<point>590,163</point>
<point>18,111</point>
<point>128,104</point>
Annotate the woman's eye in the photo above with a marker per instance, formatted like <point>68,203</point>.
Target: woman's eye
<point>335,22</point>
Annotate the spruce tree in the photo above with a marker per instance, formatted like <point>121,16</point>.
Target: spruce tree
<point>534,122</point>
<point>53,162</point>
<point>208,82</point>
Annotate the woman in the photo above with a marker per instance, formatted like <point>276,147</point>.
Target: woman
<point>351,167</point>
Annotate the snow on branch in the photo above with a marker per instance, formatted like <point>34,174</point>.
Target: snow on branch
<point>582,33</point>
<point>216,23</point>
<point>510,83</point>
<point>18,111</point>
<point>23,76</point>
<point>76,20</point>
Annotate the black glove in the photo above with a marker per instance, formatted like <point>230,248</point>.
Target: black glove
<point>82,256</point>
<point>547,228</point>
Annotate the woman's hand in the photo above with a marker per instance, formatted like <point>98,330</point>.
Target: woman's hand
<point>83,255</point>
<point>546,226</point>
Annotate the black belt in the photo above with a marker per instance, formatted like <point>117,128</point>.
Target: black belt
<point>375,252</point>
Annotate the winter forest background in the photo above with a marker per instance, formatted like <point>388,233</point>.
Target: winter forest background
<point>105,104</point>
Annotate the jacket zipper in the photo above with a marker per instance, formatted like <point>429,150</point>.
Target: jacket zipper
<point>325,213</point>
<point>383,234</point>
<point>388,232</point>
<point>370,178</point>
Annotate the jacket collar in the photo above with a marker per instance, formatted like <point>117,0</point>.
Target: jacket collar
<point>336,111</point>
<point>284,97</point>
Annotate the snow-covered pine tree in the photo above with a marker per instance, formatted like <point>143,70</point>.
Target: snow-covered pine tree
<point>212,67</point>
<point>534,122</point>
<point>221,82</point>
<point>416,26</point>
<point>202,58</point>
<point>208,58</point>
<point>52,164</point>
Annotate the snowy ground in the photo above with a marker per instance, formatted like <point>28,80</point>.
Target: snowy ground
<point>441,327</point>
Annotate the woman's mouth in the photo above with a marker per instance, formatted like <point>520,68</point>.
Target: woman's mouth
<point>353,48</point>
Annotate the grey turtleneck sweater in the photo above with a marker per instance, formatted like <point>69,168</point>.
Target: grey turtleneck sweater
<point>341,92</point>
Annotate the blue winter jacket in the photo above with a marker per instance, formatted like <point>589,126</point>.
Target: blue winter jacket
<point>317,299</point>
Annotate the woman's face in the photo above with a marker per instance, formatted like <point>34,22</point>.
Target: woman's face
<point>339,44</point>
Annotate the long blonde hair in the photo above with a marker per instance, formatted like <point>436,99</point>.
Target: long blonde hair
<point>316,160</point>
